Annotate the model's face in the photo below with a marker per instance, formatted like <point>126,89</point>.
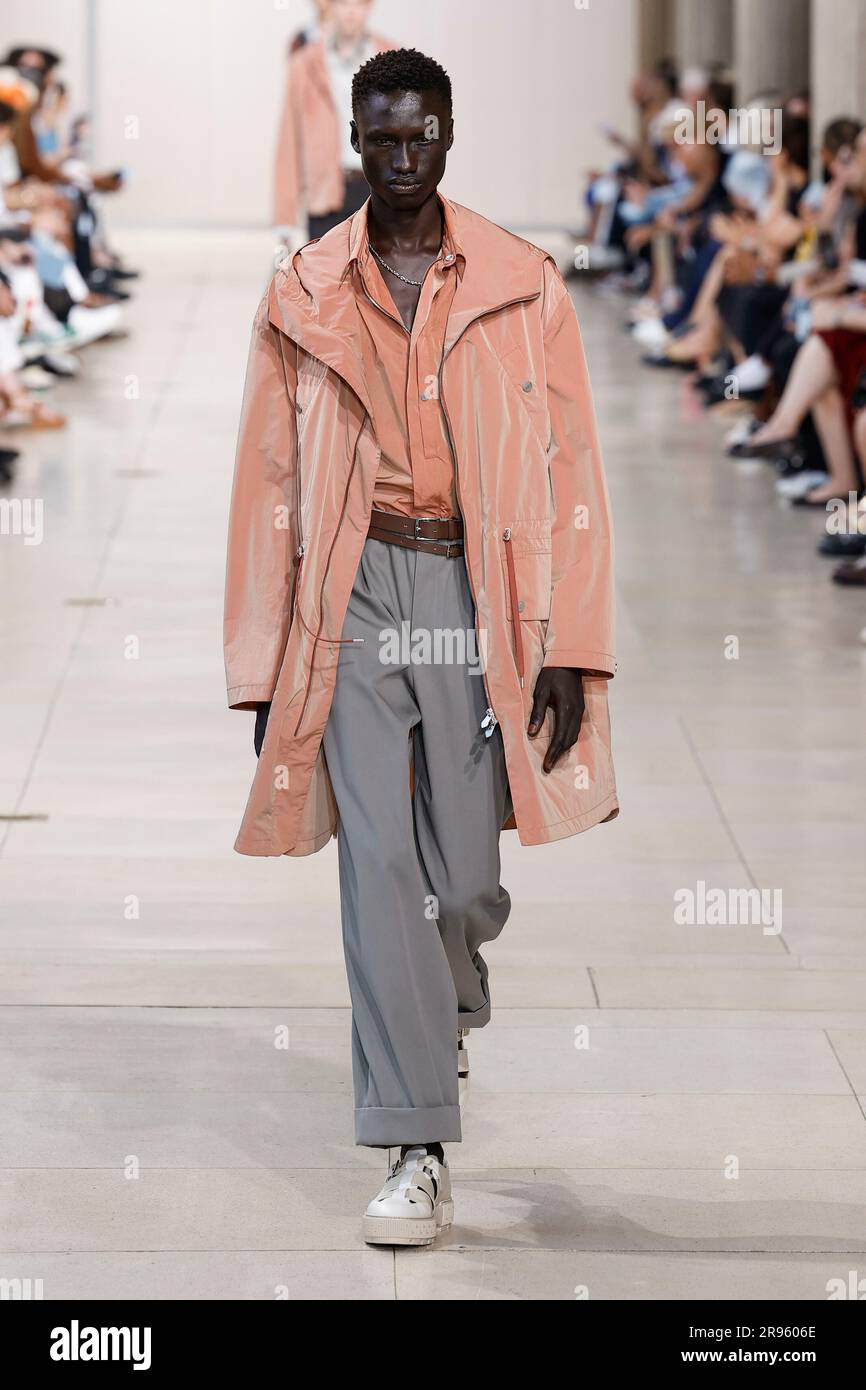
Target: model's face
<point>349,18</point>
<point>847,163</point>
<point>403,139</point>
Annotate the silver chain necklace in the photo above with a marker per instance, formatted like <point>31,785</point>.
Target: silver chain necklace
<point>392,271</point>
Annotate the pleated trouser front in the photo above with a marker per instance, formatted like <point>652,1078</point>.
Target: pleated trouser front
<point>419,867</point>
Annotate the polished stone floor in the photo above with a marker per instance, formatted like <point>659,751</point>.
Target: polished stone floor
<point>658,1110</point>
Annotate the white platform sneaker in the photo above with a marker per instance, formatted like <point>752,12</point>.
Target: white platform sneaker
<point>414,1204</point>
<point>462,1066</point>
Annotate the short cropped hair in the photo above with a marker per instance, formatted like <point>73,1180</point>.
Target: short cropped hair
<point>400,70</point>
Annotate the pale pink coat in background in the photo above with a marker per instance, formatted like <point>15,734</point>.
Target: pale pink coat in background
<point>308,176</point>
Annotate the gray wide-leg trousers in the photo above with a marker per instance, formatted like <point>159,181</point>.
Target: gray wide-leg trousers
<point>419,869</point>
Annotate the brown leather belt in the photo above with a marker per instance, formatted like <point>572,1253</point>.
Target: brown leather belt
<point>434,535</point>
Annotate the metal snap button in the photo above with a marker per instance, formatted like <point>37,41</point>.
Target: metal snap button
<point>527,385</point>
<point>521,605</point>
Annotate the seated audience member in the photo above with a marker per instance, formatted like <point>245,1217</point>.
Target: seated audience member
<point>754,280</point>
<point>59,280</point>
<point>641,159</point>
<point>830,363</point>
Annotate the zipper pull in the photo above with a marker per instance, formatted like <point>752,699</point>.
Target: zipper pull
<point>299,555</point>
<point>489,722</point>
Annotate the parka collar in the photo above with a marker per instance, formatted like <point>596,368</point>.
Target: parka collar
<point>312,300</point>
<point>359,244</point>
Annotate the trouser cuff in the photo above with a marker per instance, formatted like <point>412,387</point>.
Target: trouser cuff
<point>382,1128</point>
<point>476,1019</point>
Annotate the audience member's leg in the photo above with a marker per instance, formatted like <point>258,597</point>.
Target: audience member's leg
<point>831,422</point>
<point>812,374</point>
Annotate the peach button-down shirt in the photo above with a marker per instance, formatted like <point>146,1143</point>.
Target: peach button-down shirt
<point>416,470</point>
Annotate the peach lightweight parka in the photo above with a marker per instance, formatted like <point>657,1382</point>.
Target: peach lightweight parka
<point>515,391</point>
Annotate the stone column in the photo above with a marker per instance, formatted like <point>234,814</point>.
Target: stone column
<point>656,37</point>
<point>771,46</point>
<point>838,62</point>
<point>704,33</point>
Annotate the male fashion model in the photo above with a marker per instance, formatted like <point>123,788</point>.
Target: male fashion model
<point>418,603</point>
<point>316,167</point>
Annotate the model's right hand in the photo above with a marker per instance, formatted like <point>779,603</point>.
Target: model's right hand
<point>262,712</point>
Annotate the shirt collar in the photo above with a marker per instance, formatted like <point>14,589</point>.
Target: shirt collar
<point>451,254</point>
<point>353,57</point>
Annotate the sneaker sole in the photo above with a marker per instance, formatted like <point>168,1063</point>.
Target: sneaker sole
<point>408,1230</point>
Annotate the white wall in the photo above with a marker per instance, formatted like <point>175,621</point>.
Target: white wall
<point>203,79</point>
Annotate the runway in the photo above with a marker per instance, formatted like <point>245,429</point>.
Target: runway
<point>658,1110</point>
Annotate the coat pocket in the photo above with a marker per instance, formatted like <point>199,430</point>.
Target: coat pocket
<point>527,559</point>
<point>531,563</point>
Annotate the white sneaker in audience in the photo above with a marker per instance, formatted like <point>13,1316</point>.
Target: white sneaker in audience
<point>89,324</point>
<point>599,257</point>
<point>45,330</point>
<point>800,483</point>
<point>60,363</point>
<point>651,334</point>
<point>751,375</point>
<point>35,378</point>
<point>741,430</point>
<point>645,308</point>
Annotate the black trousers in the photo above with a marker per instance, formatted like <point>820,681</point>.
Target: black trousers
<point>357,192</point>
<point>749,310</point>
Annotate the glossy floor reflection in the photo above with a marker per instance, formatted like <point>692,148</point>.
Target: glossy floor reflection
<point>658,1110</point>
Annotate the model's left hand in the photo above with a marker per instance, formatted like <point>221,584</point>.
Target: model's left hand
<point>561,688</point>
